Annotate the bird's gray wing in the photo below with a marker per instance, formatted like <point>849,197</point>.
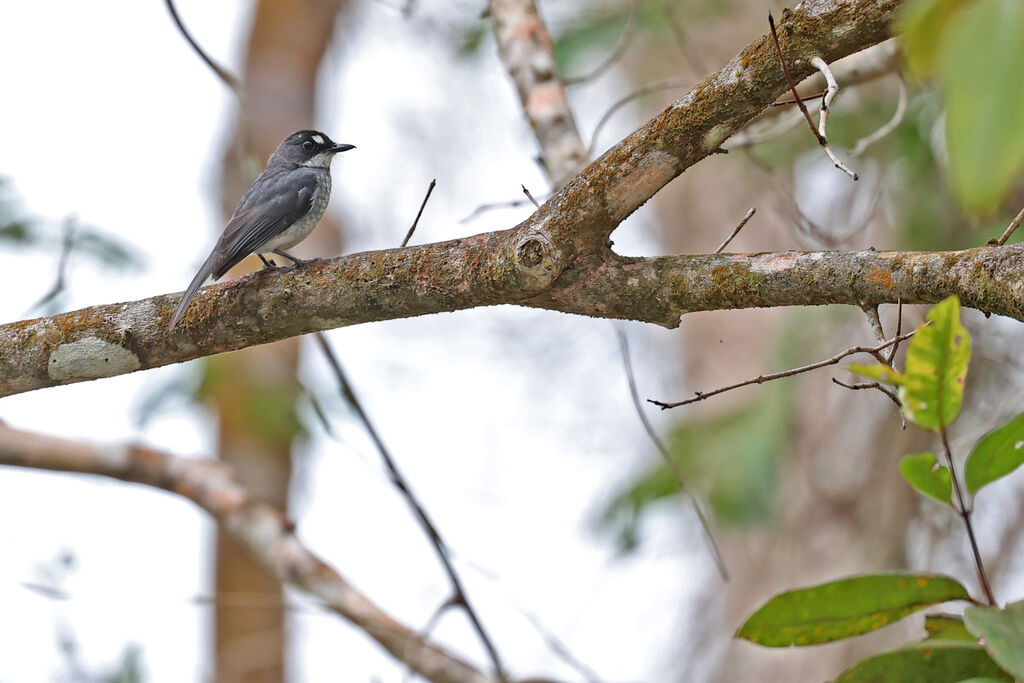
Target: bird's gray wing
<point>280,201</point>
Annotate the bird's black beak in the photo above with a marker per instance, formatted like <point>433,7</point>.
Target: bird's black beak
<point>341,148</point>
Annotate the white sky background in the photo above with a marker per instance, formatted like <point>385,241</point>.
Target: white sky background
<point>512,425</point>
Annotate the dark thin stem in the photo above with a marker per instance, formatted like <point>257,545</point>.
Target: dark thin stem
<point>419,213</point>
<point>223,74</point>
<point>67,243</point>
<point>792,86</point>
<point>530,196</point>
<point>723,245</point>
<point>885,390</point>
<point>491,206</point>
<point>899,330</point>
<point>399,482</point>
<point>965,514</point>
<point>247,162</point>
<point>677,473</point>
<point>760,379</point>
<point>782,103</point>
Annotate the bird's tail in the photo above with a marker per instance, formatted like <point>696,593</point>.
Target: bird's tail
<point>193,287</point>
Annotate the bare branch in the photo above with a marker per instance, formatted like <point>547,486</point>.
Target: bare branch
<point>716,553</point>
<point>890,125</point>
<point>1010,229</point>
<point>885,390</point>
<point>67,242</point>
<point>509,267</point>
<point>761,379</point>
<point>833,90</point>
<point>723,245</point>
<point>530,196</point>
<point>412,228</point>
<point>459,596</point>
<point>264,531</point>
<point>527,52</point>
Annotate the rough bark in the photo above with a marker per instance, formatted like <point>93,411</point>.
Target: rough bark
<point>489,269</point>
<point>266,534</point>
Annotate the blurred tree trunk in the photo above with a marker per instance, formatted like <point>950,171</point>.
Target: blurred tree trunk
<point>254,391</point>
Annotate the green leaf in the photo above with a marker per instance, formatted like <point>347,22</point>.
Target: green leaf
<point>922,23</point>
<point>924,473</point>
<point>997,454</point>
<point>1002,631</point>
<point>936,365</point>
<point>983,75</point>
<point>947,627</point>
<point>930,661</point>
<point>882,373</point>
<point>844,608</point>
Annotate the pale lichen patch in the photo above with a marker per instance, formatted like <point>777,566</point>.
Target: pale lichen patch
<point>90,358</point>
<point>773,263</point>
<point>627,193</point>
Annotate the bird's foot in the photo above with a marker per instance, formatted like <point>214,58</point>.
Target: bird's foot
<point>267,264</point>
<point>296,261</point>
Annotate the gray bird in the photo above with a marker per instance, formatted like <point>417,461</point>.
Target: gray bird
<point>279,210</point>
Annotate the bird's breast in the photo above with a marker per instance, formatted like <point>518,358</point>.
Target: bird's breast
<point>300,229</point>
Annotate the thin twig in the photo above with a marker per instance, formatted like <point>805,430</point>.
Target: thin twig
<point>223,74</point>
<point>871,311</point>
<point>419,213</point>
<point>560,649</point>
<point>618,104</point>
<point>792,85</point>
<point>248,162</point>
<point>899,330</point>
<point>885,390</point>
<point>890,125</point>
<point>760,379</point>
<point>530,196</point>
<point>614,55</point>
<point>723,245</point>
<point>833,89</point>
<point>1014,224</point>
<point>965,514</point>
<point>491,206</point>
<point>782,103</point>
<point>67,243</point>
<point>676,472</point>
<point>399,482</point>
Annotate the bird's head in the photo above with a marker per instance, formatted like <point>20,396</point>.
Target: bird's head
<point>307,148</point>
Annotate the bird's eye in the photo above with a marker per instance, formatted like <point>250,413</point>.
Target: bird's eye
<point>308,146</point>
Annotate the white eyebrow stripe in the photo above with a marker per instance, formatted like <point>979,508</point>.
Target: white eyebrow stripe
<point>318,139</point>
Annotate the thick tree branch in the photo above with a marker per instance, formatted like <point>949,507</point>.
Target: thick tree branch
<point>262,529</point>
<point>558,258</point>
<point>114,339</point>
